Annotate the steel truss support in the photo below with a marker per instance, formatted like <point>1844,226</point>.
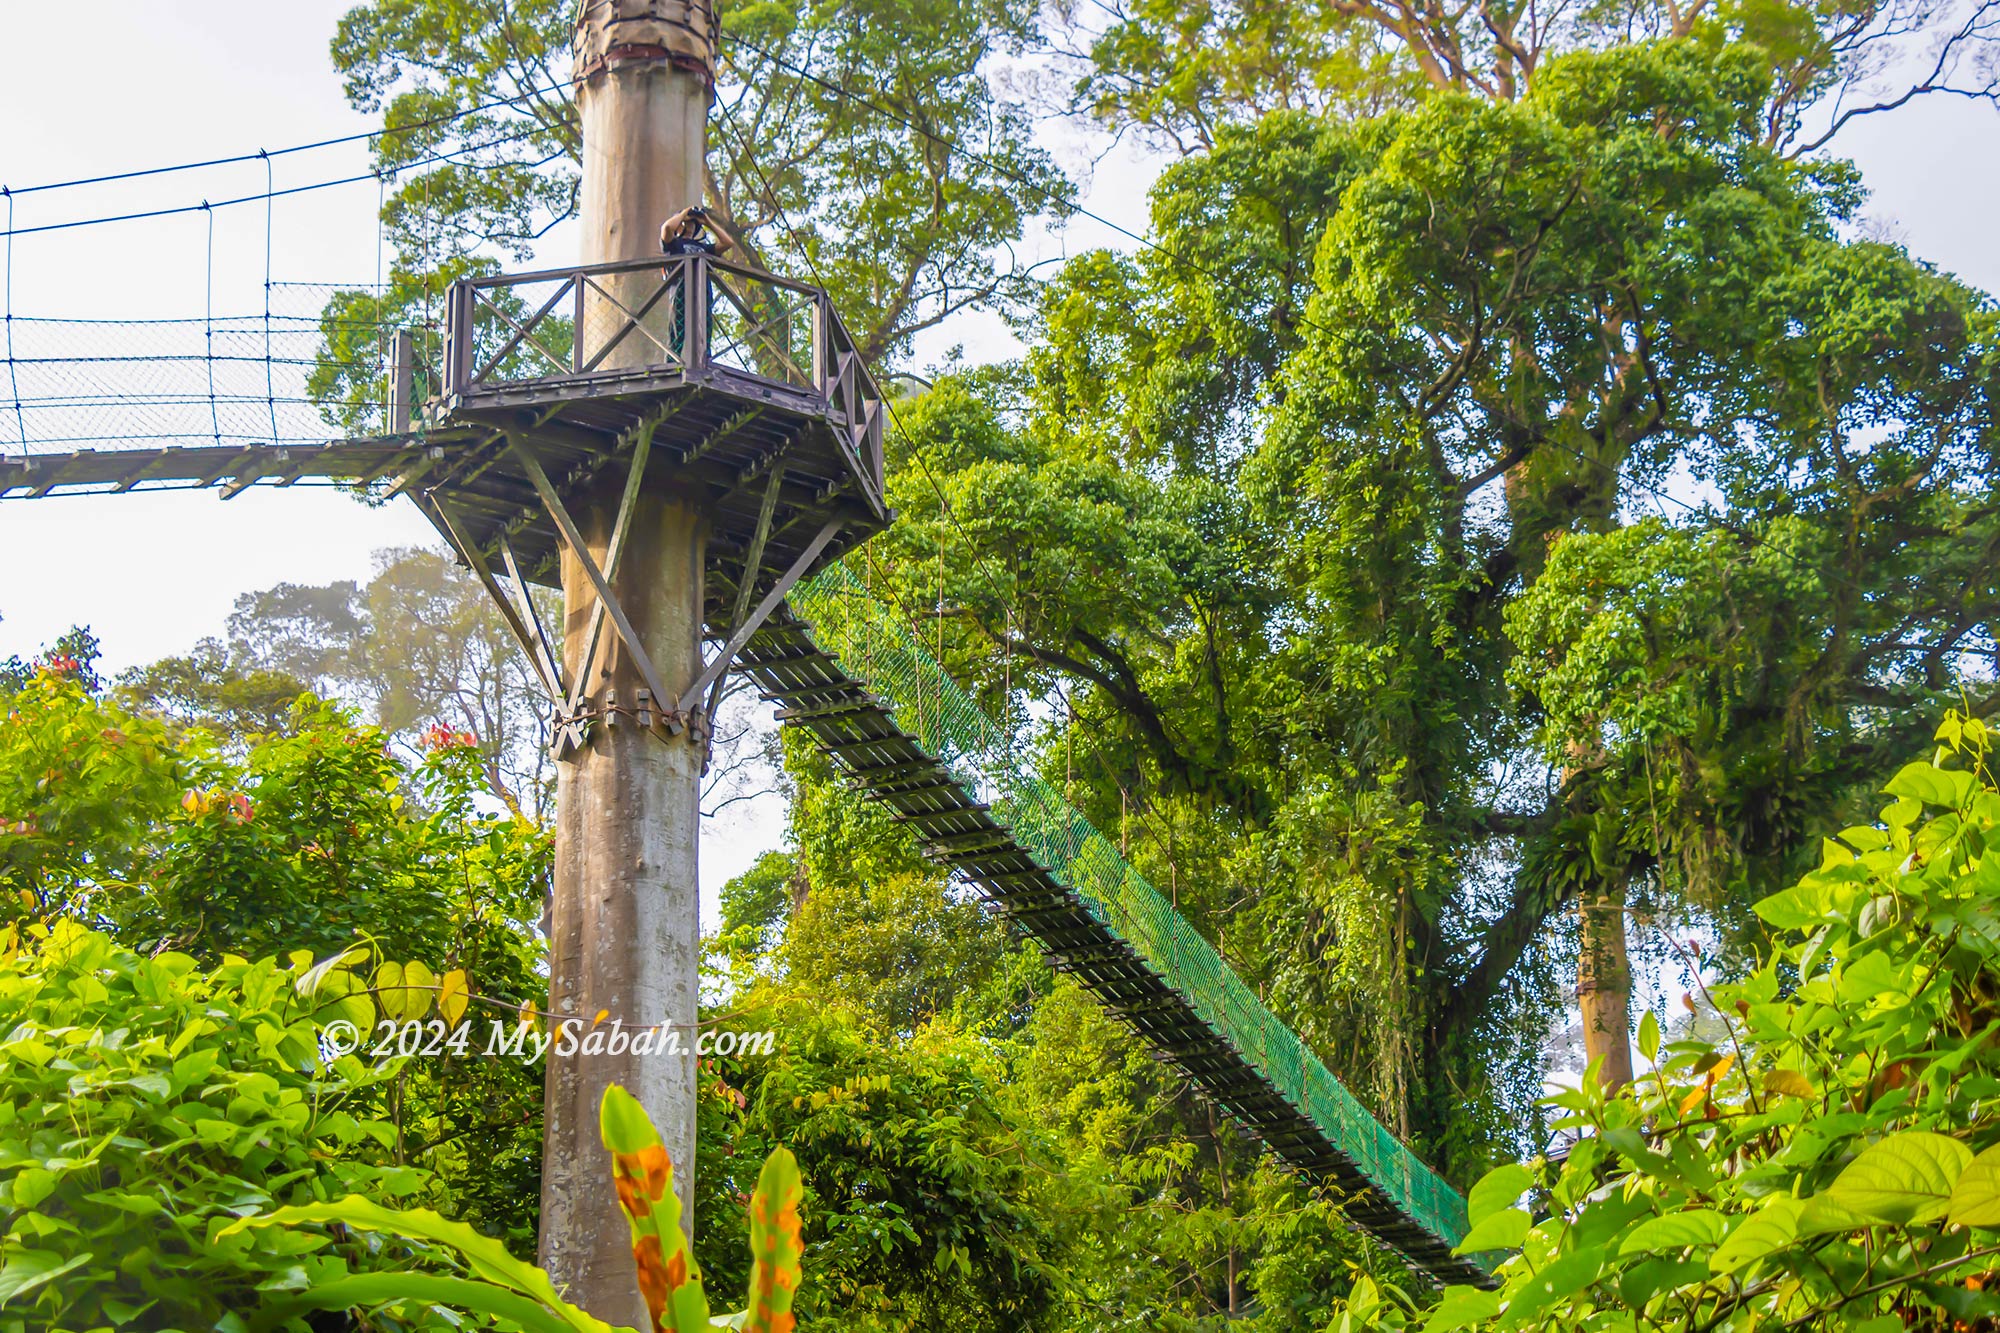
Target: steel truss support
<point>532,642</point>
<point>740,635</point>
<point>746,579</point>
<point>573,728</point>
<point>572,537</point>
<point>569,694</point>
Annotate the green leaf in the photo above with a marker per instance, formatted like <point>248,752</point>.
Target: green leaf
<point>455,1293</point>
<point>419,987</point>
<point>1558,1282</point>
<point>1501,1231</point>
<point>486,1257</point>
<point>1933,786</point>
<point>1903,1180</point>
<point>1502,1187</point>
<point>1462,1307</point>
<point>28,1269</point>
<point>1649,1037</point>
<point>156,1084</point>
<point>1964,1305</point>
<point>33,1185</point>
<point>1975,1199</point>
<point>389,992</point>
<point>309,981</point>
<point>1675,1231</point>
<point>1870,975</point>
<point>1798,908</point>
<point>1649,1277</point>
<point>1764,1232</point>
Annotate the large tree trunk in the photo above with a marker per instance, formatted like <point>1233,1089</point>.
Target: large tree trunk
<point>1557,490</point>
<point>1604,983</point>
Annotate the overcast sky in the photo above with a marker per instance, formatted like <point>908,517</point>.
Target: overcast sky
<point>152,82</point>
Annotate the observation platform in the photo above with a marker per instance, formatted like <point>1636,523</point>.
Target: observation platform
<point>739,388</point>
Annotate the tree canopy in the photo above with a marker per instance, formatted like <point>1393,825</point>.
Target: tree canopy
<point>1345,552</point>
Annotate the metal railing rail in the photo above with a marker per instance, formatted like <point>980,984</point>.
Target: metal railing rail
<point>509,330</point>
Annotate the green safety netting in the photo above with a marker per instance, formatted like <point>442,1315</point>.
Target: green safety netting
<point>878,646</point>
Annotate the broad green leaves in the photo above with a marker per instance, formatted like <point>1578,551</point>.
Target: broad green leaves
<point>1504,1230</point>
<point>1496,1224</point>
<point>150,1103</point>
<point>1931,785</point>
<point>500,1274</point>
<point>1826,1160</point>
<point>1764,1232</point>
<point>1499,1188</point>
<point>1675,1231</point>
<point>1975,1197</point>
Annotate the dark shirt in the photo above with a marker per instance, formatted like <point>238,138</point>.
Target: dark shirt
<point>688,245</point>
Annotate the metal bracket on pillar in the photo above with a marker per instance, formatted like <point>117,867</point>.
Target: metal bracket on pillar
<point>719,664</point>
<point>573,538</point>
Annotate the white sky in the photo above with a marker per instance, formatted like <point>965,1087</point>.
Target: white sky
<point>152,82</point>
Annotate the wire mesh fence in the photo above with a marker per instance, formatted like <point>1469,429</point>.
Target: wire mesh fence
<point>294,375</point>
<point>879,647</point>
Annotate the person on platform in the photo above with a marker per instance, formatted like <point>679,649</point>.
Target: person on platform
<point>681,234</point>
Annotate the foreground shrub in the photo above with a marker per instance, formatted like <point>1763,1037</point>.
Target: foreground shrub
<point>1831,1160</point>
<point>145,1105</point>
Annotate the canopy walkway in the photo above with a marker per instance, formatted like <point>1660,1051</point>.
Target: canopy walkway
<point>778,404</point>
<point>848,670</point>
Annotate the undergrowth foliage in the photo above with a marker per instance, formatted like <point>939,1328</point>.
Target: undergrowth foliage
<point>146,1103</point>
<point>1831,1160</point>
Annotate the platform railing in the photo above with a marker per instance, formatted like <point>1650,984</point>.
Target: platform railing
<point>598,322</point>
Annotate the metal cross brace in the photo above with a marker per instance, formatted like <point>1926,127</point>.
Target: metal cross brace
<point>529,616</point>
<point>642,443</point>
<point>746,582</point>
<point>573,538</point>
<point>475,560</point>
<point>712,673</point>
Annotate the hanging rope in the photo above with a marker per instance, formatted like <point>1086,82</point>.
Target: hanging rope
<point>13,383</point>
<point>208,324</point>
<point>270,210</point>
<point>382,332</point>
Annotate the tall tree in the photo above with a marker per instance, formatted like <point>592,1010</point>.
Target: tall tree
<point>1347,571</point>
<point>832,156</point>
<point>1179,72</point>
<point>1176,74</point>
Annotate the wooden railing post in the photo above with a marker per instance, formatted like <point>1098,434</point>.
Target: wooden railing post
<point>458,314</point>
<point>822,337</point>
<point>402,379</point>
<point>695,278</point>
